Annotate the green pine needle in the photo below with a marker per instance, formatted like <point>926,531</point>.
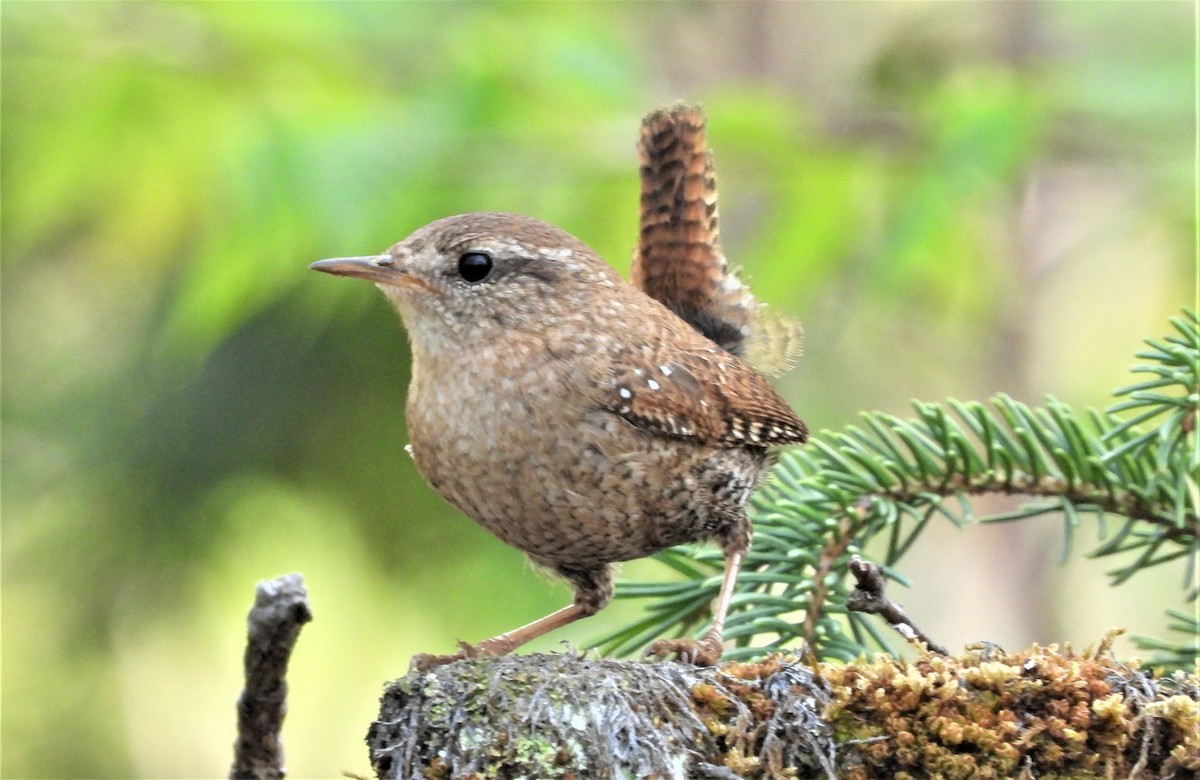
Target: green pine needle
<point>1136,463</point>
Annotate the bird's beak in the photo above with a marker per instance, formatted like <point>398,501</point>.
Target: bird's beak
<point>380,269</point>
<point>377,268</point>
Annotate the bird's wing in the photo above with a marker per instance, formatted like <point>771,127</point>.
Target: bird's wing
<point>709,396</point>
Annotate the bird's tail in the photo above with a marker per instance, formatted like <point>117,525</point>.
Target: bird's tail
<point>678,259</point>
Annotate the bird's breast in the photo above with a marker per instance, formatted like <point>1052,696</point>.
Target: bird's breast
<point>481,419</point>
<point>520,440</point>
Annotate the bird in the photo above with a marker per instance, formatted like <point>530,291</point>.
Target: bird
<point>570,414</point>
<point>580,418</point>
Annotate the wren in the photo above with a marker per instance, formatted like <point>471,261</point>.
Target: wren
<point>570,414</point>
<point>578,418</point>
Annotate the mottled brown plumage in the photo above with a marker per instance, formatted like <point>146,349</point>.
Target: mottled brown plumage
<point>567,412</point>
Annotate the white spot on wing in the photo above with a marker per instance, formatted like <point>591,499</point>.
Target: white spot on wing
<point>652,384</point>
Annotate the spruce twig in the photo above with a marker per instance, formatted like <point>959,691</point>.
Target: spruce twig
<point>1135,463</point>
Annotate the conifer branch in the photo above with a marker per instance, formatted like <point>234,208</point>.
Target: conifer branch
<point>1135,463</point>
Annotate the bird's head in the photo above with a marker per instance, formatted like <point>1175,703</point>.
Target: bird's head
<point>474,273</point>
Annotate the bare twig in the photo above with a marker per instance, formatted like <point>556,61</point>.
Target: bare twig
<point>836,545</point>
<point>868,596</point>
<point>280,610</point>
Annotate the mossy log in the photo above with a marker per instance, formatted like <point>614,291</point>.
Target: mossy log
<point>1040,713</point>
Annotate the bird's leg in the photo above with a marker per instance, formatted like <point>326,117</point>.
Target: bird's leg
<point>593,591</point>
<point>511,640</point>
<point>708,649</point>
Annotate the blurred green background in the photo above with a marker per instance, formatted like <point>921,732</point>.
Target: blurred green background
<point>956,199</point>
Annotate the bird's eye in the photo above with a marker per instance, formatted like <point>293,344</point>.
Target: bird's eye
<point>474,266</point>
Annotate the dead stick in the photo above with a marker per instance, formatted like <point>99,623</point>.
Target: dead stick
<point>280,610</point>
<point>868,596</point>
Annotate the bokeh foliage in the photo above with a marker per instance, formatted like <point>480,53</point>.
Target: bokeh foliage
<point>956,200</point>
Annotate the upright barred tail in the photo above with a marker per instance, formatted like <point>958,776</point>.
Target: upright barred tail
<point>677,260</point>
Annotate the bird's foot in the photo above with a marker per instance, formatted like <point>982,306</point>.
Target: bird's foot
<point>699,652</point>
<point>423,662</point>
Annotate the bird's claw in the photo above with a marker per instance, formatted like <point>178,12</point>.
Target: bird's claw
<point>698,652</point>
<point>423,662</point>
